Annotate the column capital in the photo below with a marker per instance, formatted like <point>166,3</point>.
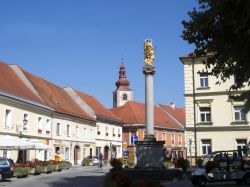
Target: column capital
<point>149,70</point>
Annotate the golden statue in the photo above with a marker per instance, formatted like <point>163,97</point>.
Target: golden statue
<point>148,52</point>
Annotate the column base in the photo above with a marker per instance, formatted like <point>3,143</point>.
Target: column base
<point>149,153</point>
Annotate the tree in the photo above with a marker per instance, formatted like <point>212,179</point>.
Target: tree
<point>220,30</point>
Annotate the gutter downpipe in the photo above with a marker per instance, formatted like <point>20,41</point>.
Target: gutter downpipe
<point>195,130</point>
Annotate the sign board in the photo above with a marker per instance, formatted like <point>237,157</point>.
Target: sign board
<point>125,153</point>
<point>124,144</point>
<point>133,139</point>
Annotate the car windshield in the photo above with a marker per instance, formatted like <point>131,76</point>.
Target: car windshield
<point>4,162</point>
<point>207,158</point>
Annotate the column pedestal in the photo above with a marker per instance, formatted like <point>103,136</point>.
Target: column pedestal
<point>149,153</point>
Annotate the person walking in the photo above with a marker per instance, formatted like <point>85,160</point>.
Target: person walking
<point>100,161</point>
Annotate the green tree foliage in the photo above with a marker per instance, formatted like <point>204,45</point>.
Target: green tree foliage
<point>220,30</point>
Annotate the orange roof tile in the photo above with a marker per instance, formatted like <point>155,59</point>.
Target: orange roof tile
<point>98,108</point>
<point>134,113</point>
<point>177,113</point>
<point>56,97</point>
<point>11,84</point>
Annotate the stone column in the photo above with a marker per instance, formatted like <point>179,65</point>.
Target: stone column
<point>149,71</point>
<point>149,152</point>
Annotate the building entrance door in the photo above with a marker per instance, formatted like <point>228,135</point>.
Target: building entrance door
<point>76,154</point>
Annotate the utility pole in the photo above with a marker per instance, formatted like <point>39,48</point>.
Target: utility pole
<point>194,108</point>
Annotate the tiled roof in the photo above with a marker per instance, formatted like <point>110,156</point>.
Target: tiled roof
<point>56,97</point>
<point>98,108</point>
<point>177,113</point>
<point>134,113</point>
<point>11,84</point>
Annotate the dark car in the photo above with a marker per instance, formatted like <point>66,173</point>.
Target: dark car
<point>6,169</point>
<point>90,161</point>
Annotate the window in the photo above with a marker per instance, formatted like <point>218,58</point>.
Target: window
<point>85,133</point>
<point>77,131</point>
<point>203,80</point>
<point>107,131</point>
<point>98,130</point>
<point>241,143</point>
<point>58,129</point>
<point>91,133</point>
<point>48,126</point>
<point>205,114</point>
<point>25,125</point>
<point>180,139</point>
<point>164,136</point>
<point>40,125</point>
<point>68,130</point>
<point>113,131</point>
<point>173,139</point>
<point>124,97</point>
<point>119,134</point>
<point>8,115</point>
<point>206,146</point>
<point>239,115</point>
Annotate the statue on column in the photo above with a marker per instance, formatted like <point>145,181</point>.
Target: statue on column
<point>148,52</point>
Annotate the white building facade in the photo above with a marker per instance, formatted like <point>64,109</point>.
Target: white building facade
<point>213,120</point>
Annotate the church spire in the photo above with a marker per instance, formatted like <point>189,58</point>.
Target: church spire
<point>122,83</point>
<point>123,93</point>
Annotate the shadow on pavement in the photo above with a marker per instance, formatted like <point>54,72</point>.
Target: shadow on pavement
<point>79,181</point>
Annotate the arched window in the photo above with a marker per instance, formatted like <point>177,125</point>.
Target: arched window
<point>124,97</point>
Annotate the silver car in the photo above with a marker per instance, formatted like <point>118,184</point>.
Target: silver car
<point>90,161</point>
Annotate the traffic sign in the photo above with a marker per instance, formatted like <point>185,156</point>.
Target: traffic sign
<point>125,153</point>
<point>133,139</point>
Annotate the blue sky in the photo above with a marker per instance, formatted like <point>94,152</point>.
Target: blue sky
<point>80,43</point>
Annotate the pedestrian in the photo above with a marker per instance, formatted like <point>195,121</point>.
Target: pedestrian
<point>100,161</point>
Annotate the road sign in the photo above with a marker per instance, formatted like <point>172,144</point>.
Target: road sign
<point>133,139</point>
<point>125,153</point>
<point>124,144</point>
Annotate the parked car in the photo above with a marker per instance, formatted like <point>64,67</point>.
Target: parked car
<point>6,169</point>
<point>90,161</point>
<point>220,166</point>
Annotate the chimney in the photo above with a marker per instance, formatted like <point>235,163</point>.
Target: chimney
<point>172,105</point>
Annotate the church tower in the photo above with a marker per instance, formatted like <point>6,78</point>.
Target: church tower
<point>123,93</point>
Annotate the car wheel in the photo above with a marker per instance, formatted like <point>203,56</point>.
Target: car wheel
<point>1,176</point>
<point>247,178</point>
<point>200,181</point>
